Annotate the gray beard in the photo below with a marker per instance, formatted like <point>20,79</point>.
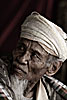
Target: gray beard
<point>18,87</point>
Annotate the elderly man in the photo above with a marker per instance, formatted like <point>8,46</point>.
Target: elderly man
<point>39,54</point>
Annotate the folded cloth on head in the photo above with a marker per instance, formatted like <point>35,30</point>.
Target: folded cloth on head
<point>51,37</point>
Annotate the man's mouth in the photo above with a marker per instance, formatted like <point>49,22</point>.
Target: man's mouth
<point>20,67</point>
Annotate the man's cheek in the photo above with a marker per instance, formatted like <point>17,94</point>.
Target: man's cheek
<point>34,67</point>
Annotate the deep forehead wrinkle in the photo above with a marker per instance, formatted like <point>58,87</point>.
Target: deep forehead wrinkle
<point>35,46</point>
<point>25,41</point>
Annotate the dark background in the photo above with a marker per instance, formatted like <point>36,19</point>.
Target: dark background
<point>14,12</point>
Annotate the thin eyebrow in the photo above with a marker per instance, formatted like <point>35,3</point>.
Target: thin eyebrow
<point>21,42</point>
<point>37,51</point>
<point>24,42</point>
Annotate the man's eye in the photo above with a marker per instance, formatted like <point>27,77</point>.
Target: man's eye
<point>36,55</point>
<point>22,48</point>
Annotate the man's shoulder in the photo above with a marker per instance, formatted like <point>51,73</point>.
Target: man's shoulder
<point>3,70</point>
<point>55,87</point>
<point>6,92</point>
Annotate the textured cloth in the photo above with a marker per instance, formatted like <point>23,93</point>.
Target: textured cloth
<point>41,92</point>
<point>50,36</point>
<point>4,95</point>
<point>6,92</point>
<point>58,86</point>
<point>50,88</point>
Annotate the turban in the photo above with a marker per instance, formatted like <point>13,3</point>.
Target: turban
<point>51,37</point>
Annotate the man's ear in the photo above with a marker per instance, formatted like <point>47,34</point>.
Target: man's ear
<point>54,67</point>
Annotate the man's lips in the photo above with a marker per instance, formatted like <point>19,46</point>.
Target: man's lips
<point>20,68</point>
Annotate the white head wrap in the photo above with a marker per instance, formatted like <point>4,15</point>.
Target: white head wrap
<point>47,34</point>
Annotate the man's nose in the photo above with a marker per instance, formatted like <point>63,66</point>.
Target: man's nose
<point>25,58</point>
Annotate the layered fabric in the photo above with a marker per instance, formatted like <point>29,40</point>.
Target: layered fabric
<point>41,92</point>
<point>4,95</point>
<point>58,86</point>
<point>6,92</point>
<point>50,88</point>
<point>47,34</point>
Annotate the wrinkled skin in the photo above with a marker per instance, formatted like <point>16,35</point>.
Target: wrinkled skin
<point>29,60</point>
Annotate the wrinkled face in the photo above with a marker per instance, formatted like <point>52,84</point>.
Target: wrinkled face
<point>29,59</point>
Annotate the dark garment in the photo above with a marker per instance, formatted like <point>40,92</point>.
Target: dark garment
<point>52,89</point>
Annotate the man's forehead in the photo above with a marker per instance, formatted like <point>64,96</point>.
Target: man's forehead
<point>34,45</point>
<point>28,42</point>
<point>24,41</point>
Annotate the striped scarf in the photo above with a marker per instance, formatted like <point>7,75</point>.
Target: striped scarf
<point>49,88</point>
